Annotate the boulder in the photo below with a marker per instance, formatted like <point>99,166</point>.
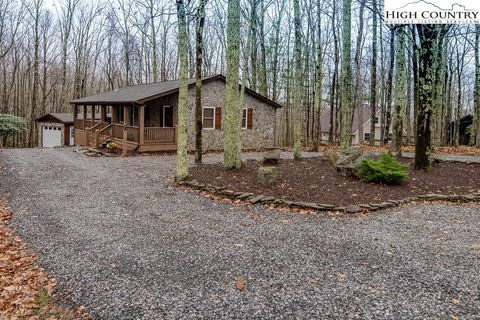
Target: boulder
<point>271,157</point>
<point>349,164</point>
<point>331,156</point>
<point>266,175</point>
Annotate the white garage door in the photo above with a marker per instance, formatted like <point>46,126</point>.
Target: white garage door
<point>52,137</point>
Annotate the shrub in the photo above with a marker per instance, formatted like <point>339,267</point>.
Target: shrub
<point>387,170</point>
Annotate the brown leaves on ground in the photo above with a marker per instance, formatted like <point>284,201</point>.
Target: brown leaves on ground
<point>465,150</point>
<point>26,289</point>
<point>240,283</point>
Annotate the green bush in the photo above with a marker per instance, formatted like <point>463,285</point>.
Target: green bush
<point>387,170</point>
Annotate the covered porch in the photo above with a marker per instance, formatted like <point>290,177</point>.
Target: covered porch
<point>143,128</point>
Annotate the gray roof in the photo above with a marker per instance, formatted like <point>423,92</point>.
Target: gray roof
<point>139,94</point>
<point>63,117</point>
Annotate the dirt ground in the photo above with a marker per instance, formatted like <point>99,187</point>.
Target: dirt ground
<point>312,180</point>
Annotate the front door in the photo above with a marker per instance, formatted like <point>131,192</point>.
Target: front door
<point>167,116</point>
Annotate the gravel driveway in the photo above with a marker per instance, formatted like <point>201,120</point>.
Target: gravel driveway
<point>125,243</point>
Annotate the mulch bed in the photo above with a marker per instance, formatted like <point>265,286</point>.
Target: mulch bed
<point>312,180</point>
<point>26,290</point>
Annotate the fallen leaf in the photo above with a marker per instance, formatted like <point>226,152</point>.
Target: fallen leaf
<point>240,283</point>
<point>341,276</point>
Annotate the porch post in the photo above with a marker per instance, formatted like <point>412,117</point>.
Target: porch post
<point>125,138</point>
<point>114,114</point>
<point>103,113</point>
<point>75,113</point>
<point>84,116</point>
<point>93,116</point>
<point>141,122</point>
<point>125,115</point>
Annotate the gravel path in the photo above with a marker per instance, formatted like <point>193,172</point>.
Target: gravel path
<point>125,243</point>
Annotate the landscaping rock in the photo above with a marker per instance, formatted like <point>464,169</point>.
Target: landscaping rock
<point>272,157</point>
<point>256,199</point>
<point>266,176</point>
<point>331,157</point>
<point>349,164</point>
<point>268,199</point>
<point>353,209</point>
<point>244,196</point>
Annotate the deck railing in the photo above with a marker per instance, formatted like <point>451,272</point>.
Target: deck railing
<point>133,132</point>
<point>84,124</point>
<point>154,135</point>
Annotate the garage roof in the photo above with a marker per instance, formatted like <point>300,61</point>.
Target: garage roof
<point>62,117</point>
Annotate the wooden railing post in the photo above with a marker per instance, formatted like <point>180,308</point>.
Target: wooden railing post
<point>97,138</point>
<point>125,136</point>
<point>141,120</point>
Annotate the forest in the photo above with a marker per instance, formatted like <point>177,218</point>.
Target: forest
<point>311,56</point>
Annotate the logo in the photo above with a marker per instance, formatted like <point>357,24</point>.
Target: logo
<point>432,12</point>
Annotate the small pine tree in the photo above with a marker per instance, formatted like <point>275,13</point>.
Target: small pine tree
<point>387,170</point>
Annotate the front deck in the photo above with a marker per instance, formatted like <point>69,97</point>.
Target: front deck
<point>97,131</point>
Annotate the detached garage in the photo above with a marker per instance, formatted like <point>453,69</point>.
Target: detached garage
<point>55,130</point>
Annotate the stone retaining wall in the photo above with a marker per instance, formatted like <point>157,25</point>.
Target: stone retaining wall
<point>262,199</point>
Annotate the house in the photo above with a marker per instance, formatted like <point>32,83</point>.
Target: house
<point>144,117</point>
<point>55,130</point>
<point>464,123</point>
<point>325,126</point>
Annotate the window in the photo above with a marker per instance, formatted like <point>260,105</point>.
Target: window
<point>376,120</point>
<point>208,118</point>
<point>366,136</point>
<point>244,118</point>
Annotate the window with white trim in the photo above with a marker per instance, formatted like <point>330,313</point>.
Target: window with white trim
<point>208,118</point>
<point>244,118</point>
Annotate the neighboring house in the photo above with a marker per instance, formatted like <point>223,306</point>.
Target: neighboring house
<point>145,117</point>
<point>464,129</point>
<point>325,126</point>
<point>55,130</point>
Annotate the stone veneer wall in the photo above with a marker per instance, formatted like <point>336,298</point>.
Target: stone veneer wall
<point>262,134</point>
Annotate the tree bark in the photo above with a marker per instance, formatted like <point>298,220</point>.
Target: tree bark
<point>182,161</point>
<point>233,111</point>
<point>396,146</point>
<point>475,132</point>
<point>373,84</point>
<point>297,153</point>
<point>198,83</point>
<point>347,106</point>
<point>358,78</point>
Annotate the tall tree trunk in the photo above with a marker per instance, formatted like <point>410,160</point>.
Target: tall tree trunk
<point>332,132</point>
<point>318,80</point>
<point>358,78</point>
<point>253,49</point>
<point>182,161</point>
<point>408,109</point>
<point>36,74</point>
<point>297,153</point>
<point>347,106</point>
<point>233,109</point>
<point>198,83</point>
<point>373,84</point>
<point>388,110</point>
<point>428,34</point>
<point>263,85</point>
<point>396,146</point>
<point>475,132</point>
